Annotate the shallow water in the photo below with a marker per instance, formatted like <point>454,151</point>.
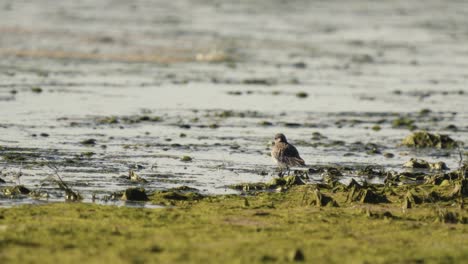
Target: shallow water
<point>234,66</point>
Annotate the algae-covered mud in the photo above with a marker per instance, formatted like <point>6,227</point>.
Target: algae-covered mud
<point>325,223</point>
<point>173,107</point>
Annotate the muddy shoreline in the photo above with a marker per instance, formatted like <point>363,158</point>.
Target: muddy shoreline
<point>215,82</point>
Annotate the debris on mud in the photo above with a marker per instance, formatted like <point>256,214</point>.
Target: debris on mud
<point>318,199</point>
<point>297,256</point>
<point>176,195</point>
<point>186,159</point>
<point>423,139</point>
<point>364,194</point>
<point>362,59</point>
<point>422,164</point>
<point>15,190</point>
<point>89,142</point>
<point>87,154</point>
<point>405,122</point>
<point>134,194</point>
<point>70,194</point>
<point>134,119</point>
<point>446,216</point>
<point>258,81</point>
<point>302,95</point>
<point>18,155</point>
<point>36,89</point>
<point>134,177</point>
<point>265,123</point>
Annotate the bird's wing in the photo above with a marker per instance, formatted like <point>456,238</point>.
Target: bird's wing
<point>291,156</point>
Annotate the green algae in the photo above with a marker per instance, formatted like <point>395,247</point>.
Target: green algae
<point>423,139</point>
<point>111,120</point>
<point>176,197</point>
<point>404,122</point>
<point>302,95</point>
<point>36,89</point>
<point>88,142</point>
<point>186,158</point>
<point>302,222</point>
<point>265,123</point>
<point>87,154</point>
<point>318,199</point>
<point>226,228</point>
<point>18,155</point>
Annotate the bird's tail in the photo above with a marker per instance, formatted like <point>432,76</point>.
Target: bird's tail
<point>294,161</point>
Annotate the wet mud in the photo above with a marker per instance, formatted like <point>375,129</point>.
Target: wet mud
<point>191,94</point>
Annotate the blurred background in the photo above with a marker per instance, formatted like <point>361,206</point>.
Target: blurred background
<point>153,81</point>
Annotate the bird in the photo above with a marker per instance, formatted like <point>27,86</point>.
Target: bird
<point>285,154</point>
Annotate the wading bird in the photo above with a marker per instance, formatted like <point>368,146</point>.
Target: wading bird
<point>285,154</point>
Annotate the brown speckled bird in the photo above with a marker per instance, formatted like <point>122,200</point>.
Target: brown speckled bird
<point>285,154</point>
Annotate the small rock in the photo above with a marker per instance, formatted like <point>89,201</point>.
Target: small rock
<point>90,141</point>
<point>135,194</point>
<point>302,95</point>
<point>438,166</point>
<point>300,65</point>
<point>186,159</point>
<point>16,190</point>
<point>416,164</point>
<point>422,164</point>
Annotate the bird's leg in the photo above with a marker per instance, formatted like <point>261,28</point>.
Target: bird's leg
<point>288,170</point>
<point>281,171</point>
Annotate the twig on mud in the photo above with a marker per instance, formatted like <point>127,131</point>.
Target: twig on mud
<point>19,174</point>
<point>460,162</point>
<point>70,194</point>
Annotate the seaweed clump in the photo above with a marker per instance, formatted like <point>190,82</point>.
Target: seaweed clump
<point>135,194</point>
<point>320,200</point>
<point>364,194</point>
<point>423,139</point>
<point>422,164</point>
<point>176,196</point>
<point>16,190</point>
